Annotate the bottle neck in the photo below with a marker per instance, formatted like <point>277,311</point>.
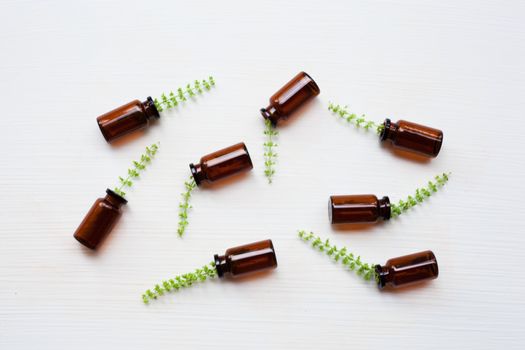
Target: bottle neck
<point>384,208</point>
<point>221,265</point>
<point>198,174</point>
<point>270,113</point>
<point>382,276</point>
<point>389,130</point>
<point>150,108</point>
<point>114,199</point>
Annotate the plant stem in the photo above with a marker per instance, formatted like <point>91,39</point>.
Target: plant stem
<point>347,258</point>
<point>269,154</point>
<point>171,100</point>
<point>184,206</point>
<point>420,195</point>
<point>178,282</point>
<point>352,118</point>
<point>138,166</point>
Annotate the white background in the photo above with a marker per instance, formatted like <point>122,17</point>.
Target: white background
<point>454,65</point>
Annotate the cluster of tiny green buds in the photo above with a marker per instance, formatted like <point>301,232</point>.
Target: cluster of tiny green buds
<point>269,153</point>
<point>184,206</point>
<point>138,166</point>
<point>420,195</point>
<point>178,282</point>
<point>173,99</point>
<point>347,258</point>
<point>352,118</point>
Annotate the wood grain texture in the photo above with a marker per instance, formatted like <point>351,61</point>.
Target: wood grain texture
<point>458,66</point>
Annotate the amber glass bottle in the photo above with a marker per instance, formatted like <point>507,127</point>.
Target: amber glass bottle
<point>358,208</point>
<point>413,137</point>
<point>225,162</point>
<point>407,269</point>
<point>245,259</point>
<point>290,97</point>
<point>100,219</point>
<point>130,117</point>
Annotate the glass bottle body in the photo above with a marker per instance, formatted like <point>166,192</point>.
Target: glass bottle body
<point>246,259</point>
<point>100,220</point>
<point>414,137</point>
<point>290,97</point>
<point>408,269</point>
<point>358,208</point>
<point>223,163</point>
<point>126,119</point>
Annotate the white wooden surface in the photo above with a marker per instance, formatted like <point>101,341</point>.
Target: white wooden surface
<point>456,65</point>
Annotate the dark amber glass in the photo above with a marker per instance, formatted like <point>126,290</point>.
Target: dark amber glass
<point>407,269</point>
<point>127,118</point>
<point>100,220</point>
<point>413,137</point>
<point>358,208</point>
<point>290,97</point>
<point>247,258</point>
<point>223,163</point>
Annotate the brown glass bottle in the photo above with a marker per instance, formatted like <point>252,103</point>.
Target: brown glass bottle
<point>290,97</point>
<point>413,137</point>
<point>245,259</point>
<point>130,117</point>
<point>407,269</point>
<point>358,208</point>
<point>225,162</point>
<point>100,220</point>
